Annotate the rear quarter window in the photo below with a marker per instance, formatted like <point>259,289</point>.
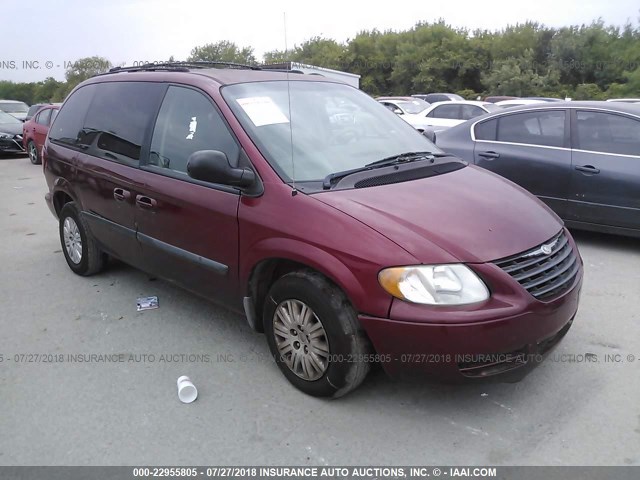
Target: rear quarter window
<point>486,130</point>
<point>70,119</point>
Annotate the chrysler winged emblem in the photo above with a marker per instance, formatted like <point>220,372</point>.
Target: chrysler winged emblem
<point>545,249</point>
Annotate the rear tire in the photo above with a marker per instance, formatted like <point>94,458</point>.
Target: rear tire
<point>78,245</point>
<point>32,150</point>
<point>314,335</point>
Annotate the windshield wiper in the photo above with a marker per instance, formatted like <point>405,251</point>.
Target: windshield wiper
<point>407,157</point>
<point>385,162</point>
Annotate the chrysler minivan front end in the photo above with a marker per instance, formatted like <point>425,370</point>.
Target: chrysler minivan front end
<point>495,277</point>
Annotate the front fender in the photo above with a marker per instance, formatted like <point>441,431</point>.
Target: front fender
<point>365,295</point>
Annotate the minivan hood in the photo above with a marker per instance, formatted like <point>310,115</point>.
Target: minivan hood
<point>468,215</point>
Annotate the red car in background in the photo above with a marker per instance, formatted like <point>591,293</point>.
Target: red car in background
<point>34,131</point>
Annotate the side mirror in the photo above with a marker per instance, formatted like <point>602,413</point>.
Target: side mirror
<point>213,166</point>
<point>430,134</point>
<point>397,111</point>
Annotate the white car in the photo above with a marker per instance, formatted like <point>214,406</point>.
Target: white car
<point>404,105</point>
<point>14,108</point>
<point>624,100</point>
<point>442,115</point>
<point>517,102</point>
<point>407,108</point>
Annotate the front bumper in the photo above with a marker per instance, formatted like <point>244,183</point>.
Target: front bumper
<point>11,145</point>
<point>506,336</point>
<point>48,197</point>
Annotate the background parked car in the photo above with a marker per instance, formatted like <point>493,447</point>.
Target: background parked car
<point>408,108</point>
<point>624,100</point>
<point>517,102</point>
<point>33,109</point>
<point>34,131</point>
<point>581,158</point>
<point>14,108</point>
<point>544,99</point>
<point>438,97</point>
<point>10,134</point>
<point>442,115</point>
<point>406,105</point>
<point>498,98</point>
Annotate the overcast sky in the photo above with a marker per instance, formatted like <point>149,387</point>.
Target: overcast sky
<point>53,32</point>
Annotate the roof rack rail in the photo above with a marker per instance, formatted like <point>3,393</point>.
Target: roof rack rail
<point>181,66</point>
<point>284,70</point>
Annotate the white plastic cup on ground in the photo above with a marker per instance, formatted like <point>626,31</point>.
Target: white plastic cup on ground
<point>187,392</point>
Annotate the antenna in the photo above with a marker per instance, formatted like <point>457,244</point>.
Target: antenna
<point>294,192</point>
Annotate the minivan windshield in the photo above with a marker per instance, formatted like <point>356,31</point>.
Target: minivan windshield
<point>333,127</point>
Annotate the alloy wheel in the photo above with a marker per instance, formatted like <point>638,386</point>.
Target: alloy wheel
<point>33,152</point>
<point>301,340</point>
<point>72,240</point>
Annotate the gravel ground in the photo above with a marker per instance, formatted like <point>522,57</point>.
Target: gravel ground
<point>127,413</point>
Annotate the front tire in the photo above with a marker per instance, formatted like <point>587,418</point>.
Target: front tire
<point>78,245</point>
<point>314,335</point>
<point>32,150</point>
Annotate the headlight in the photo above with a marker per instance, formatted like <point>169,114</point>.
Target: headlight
<point>434,284</point>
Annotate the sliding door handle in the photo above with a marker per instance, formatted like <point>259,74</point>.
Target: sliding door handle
<point>145,202</point>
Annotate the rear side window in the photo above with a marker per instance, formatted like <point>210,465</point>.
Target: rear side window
<point>69,121</point>
<point>434,97</point>
<point>188,122</point>
<point>120,117</point>
<point>536,128</point>
<point>471,111</point>
<point>44,117</point>
<point>446,111</point>
<point>608,133</point>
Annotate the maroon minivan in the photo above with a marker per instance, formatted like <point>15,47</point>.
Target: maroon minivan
<point>340,231</point>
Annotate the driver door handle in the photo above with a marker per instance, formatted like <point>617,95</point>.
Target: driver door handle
<point>120,194</point>
<point>588,169</point>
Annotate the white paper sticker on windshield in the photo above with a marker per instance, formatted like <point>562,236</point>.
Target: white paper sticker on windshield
<point>262,111</point>
<point>193,126</point>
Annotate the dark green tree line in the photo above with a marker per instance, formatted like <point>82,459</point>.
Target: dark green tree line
<point>593,61</point>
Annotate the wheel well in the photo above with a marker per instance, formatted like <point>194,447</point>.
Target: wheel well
<point>59,201</point>
<point>264,275</point>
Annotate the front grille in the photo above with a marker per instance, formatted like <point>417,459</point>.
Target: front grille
<point>544,275</point>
